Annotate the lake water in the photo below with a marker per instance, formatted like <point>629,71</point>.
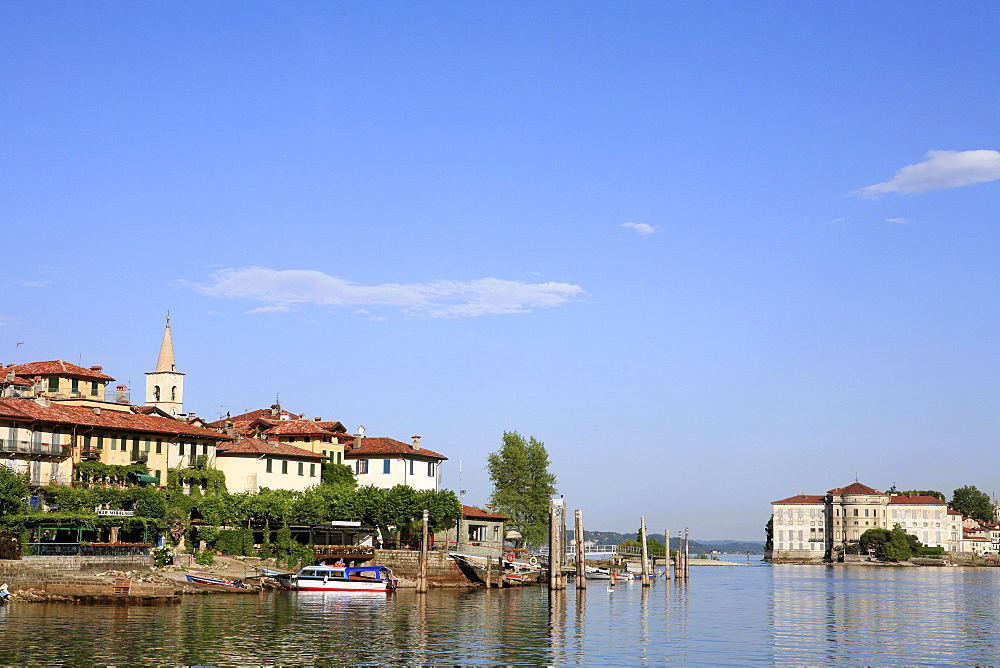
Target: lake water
<point>785,615</point>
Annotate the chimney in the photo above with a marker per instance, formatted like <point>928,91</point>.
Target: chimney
<point>97,410</point>
<point>275,409</point>
<point>121,394</point>
<point>357,442</point>
<point>318,419</point>
<point>416,442</point>
<point>98,369</point>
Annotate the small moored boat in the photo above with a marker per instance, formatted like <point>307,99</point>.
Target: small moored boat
<point>198,579</point>
<point>340,578</point>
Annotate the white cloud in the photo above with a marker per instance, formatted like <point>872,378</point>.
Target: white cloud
<point>901,221</point>
<point>642,229</point>
<point>33,284</point>
<point>285,289</point>
<point>941,169</point>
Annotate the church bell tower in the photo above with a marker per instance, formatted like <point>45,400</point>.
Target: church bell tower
<point>165,386</point>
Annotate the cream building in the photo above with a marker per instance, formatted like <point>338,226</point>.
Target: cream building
<point>386,462</point>
<point>251,464</point>
<point>45,438</point>
<point>815,528</point>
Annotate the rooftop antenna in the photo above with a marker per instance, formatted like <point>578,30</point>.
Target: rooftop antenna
<point>220,407</point>
<point>16,346</point>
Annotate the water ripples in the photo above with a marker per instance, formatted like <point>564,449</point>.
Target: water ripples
<point>784,615</point>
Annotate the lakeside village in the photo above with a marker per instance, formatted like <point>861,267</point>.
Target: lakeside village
<point>108,484</point>
<point>858,523</point>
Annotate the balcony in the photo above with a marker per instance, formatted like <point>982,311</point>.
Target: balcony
<point>91,453</point>
<point>140,457</point>
<point>30,448</point>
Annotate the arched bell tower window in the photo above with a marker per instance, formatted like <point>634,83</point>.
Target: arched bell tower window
<point>173,393</point>
<point>156,393</point>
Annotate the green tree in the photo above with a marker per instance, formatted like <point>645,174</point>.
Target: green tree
<point>522,485</point>
<point>972,503</point>
<point>339,475</point>
<point>13,491</point>
<point>899,546</point>
<point>875,540</point>
<point>923,492</point>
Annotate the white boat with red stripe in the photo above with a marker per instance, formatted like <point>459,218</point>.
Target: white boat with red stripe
<point>341,578</point>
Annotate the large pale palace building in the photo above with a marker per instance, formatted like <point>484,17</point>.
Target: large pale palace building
<point>812,527</point>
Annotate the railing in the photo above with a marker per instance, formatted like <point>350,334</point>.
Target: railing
<point>343,551</point>
<point>590,550</point>
<point>88,549</point>
<point>28,447</point>
<point>140,456</point>
<point>117,396</point>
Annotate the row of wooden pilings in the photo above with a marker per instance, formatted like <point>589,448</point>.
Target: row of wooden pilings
<point>557,550</point>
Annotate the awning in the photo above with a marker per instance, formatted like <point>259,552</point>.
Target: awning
<point>142,477</point>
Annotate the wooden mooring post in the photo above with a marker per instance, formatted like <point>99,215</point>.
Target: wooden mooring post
<point>644,551</point>
<point>666,539</point>
<point>687,553</point>
<point>581,561</point>
<point>422,574</point>
<point>556,549</point>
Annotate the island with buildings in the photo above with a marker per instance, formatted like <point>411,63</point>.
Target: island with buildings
<point>829,527</point>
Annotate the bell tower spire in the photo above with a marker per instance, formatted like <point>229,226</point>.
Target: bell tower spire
<point>165,362</point>
<point>165,385</point>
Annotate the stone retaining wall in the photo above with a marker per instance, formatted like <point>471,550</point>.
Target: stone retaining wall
<point>441,569</point>
<point>78,563</point>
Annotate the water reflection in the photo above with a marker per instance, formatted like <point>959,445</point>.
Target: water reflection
<point>783,615</point>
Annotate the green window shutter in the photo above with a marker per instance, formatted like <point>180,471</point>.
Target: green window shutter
<point>53,385</point>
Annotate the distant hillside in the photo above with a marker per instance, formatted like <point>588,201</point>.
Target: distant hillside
<point>697,546</point>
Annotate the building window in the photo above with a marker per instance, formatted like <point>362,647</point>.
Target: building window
<point>53,385</point>
<point>301,468</point>
<point>100,441</point>
<point>269,465</point>
<point>308,439</point>
<point>361,467</point>
<point>173,393</point>
<point>855,512</point>
<point>312,470</point>
<point>339,455</point>
<point>477,532</point>
<point>284,466</point>
<point>324,453</point>
<point>74,385</point>
<point>180,447</point>
<point>93,389</point>
<point>159,445</point>
<point>430,468</point>
<point>412,463</point>
<point>386,466</point>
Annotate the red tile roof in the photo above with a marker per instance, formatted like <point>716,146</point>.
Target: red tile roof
<point>854,488</point>
<point>57,368</point>
<point>803,499</point>
<point>13,381</point>
<point>469,511</point>
<point>29,409</point>
<point>923,500</point>
<point>388,446</point>
<point>298,427</point>
<point>255,446</point>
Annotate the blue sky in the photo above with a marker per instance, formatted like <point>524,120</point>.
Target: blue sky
<point>711,253</point>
